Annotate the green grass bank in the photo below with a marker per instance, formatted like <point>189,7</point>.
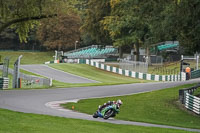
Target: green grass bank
<point>28,57</point>
<point>104,77</point>
<point>158,107</point>
<point>15,122</point>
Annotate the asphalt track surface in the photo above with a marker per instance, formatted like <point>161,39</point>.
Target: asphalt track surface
<point>46,101</point>
<point>55,74</point>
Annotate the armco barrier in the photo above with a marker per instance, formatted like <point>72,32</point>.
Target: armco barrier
<point>190,102</point>
<point>39,80</point>
<point>4,82</point>
<point>145,76</point>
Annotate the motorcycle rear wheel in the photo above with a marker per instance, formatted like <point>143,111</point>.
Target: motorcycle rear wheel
<point>95,115</point>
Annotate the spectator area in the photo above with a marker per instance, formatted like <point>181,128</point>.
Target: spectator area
<point>168,45</point>
<point>93,51</point>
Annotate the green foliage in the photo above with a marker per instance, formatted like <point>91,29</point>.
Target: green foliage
<point>197,92</point>
<point>95,11</point>
<point>60,33</point>
<point>133,21</point>
<point>22,14</point>
<point>189,26</point>
<point>124,22</point>
<point>145,22</point>
<point>23,28</point>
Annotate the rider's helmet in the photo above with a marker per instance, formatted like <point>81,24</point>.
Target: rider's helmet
<point>119,102</point>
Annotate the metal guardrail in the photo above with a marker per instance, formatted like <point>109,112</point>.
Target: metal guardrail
<point>135,66</point>
<point>191,102</point>
<point>30,80</point>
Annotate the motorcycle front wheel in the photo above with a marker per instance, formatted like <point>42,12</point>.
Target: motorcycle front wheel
<point>108,114</point>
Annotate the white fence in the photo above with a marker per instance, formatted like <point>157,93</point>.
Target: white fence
<point>135,66</point>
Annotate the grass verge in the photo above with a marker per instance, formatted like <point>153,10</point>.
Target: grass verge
<point>94,73</point>
<point>197,92</point>
<point>28,57</point>
<point>15,122</point>
<point>159,107</point>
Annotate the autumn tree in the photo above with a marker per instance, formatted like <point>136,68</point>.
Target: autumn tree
<point>23,15</point>
<point>61,32</point>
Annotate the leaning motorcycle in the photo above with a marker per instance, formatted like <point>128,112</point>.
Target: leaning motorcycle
<point>107,112</point>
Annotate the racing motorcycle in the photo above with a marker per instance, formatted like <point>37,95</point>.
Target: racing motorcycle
<point>107,112</point>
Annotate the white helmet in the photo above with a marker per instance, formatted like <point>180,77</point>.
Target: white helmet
<point>119,102</point>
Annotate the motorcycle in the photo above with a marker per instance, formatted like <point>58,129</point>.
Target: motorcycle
<point>107,112</point>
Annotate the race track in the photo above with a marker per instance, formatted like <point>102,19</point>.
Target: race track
<point>36,101</point>
<point>55,74</point>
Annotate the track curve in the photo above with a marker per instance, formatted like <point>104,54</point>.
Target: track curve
<point>56,74</point>
<point>33,101</point>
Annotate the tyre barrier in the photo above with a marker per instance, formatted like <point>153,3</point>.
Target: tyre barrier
<point>28,80</point>
<point>4,82</point>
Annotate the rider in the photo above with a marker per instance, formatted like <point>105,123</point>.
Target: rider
<point>118,103</point>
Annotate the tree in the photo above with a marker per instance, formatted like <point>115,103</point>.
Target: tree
<point>127,23</point>
<point>23,14</point>
<point>60,33</point>
<point>179,20</point>
<point>188,29</point>
<point>95,11</point>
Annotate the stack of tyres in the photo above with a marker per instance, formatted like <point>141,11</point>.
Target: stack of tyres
<point>4,83</point>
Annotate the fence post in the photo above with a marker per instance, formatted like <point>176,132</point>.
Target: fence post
<point>5,67</point>
<point>197,67</point>
<point>16,73</point>
<point>181,96</point>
